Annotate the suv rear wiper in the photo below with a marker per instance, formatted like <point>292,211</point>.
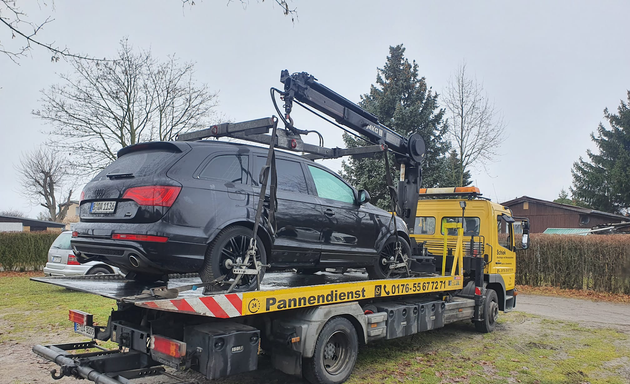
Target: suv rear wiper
<point>120,175</point>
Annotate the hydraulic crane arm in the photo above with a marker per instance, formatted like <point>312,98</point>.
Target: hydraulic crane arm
<point>409,152</point>
<point>305,88</point>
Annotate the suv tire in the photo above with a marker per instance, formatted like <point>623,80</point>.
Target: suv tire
<point>380,269</point>
<point>99,271</point>
<point>230,245</point>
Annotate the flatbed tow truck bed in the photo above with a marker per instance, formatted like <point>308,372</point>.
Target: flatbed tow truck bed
<point>311,325</point>
<point>280,291</point>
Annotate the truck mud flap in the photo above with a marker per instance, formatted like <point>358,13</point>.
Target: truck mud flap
<point>102,366</point>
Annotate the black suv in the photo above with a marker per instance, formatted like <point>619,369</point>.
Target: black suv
<point>181,207</point>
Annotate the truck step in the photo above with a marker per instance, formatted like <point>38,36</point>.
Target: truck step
<point>509,303</point>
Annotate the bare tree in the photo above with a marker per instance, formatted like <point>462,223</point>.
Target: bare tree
<point>284,5</point>
<point>13,213</point>
<point>42,175</point>
<point>475,129</point>
<point>105,106</point>
<point>24,33</point>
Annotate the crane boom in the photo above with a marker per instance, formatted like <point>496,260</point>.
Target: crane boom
<point>409,152</point>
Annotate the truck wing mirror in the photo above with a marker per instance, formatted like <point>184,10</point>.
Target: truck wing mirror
<point>525,241</point>
<point>364,197</point>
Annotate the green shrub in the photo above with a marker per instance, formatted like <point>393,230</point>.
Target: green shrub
<point>25,250</point>
<point>595,262</point>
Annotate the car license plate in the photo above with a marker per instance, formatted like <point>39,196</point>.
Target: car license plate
<point>84,330</point>
<point>103,207</point>
<point>56,259</point>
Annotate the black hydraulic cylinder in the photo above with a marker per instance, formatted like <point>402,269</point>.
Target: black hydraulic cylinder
<point>478,263</point>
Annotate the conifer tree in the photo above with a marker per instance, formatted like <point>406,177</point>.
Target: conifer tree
<point>603,181</point>
<point>455,176</point>
<point>403,102</point>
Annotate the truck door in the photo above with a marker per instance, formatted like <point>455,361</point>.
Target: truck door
<point>505,258</point>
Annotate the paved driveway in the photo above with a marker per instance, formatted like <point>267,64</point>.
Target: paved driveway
<point>578,310</point>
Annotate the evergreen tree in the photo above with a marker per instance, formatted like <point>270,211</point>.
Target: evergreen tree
<point>563,198</point>
<point>603,182</point>
<point>454,172</point>
<point>403,102</point>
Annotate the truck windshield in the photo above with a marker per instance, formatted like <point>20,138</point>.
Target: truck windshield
<point>425,225</point>
<point>471,225</point>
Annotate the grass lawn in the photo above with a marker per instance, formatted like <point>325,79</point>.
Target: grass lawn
<point>523,349</point>
<point>28,307</point>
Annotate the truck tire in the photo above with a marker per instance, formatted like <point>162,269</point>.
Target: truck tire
<point>335,353</point>
<point>380,269</point>
<point>229,245</point>
<point>490,313</point>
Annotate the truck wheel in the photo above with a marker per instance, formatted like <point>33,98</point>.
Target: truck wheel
<point>335,353</point>
<point>490,313</point>
<point>228,249</point>
<point>99,271</point>
<point>381,269</point>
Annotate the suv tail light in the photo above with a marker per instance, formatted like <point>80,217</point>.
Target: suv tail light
<point>153,195</point>
<point>72,260</point>
<point>126,236</point>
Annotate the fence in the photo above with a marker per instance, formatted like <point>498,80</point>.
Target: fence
<point>595,262</point>
<point>24,251</point>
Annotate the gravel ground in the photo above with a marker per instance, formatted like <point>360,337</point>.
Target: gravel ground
<point>20,365</point>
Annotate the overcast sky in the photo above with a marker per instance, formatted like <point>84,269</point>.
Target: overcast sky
<point>550,67</point>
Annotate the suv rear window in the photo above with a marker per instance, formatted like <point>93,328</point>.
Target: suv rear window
<point>232,168</point>
<point>62,242</point>
<point>290,175</point>
<point>139,163</point>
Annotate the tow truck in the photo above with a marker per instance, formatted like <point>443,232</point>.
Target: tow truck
<point>311,326</point>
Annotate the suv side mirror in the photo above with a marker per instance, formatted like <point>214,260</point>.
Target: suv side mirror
<point>364,197</point>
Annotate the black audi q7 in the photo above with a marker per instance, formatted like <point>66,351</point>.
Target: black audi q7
<point>181,207</point>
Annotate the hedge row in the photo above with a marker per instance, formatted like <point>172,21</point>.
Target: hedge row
<point>25,250</point>
<point>596,262</point>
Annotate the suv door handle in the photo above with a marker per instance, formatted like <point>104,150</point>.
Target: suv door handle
<point>329,212</point>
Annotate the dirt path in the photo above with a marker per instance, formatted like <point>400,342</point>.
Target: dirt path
<point>581,311</point>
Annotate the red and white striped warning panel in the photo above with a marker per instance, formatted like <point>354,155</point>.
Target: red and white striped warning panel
<point>221,306</point>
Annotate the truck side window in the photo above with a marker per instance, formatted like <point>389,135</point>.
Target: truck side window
<point>425,225</point>
<point>504,230</point>
<point>471,225</point>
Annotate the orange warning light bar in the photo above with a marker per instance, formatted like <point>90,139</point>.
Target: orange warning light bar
<point>450,191</point>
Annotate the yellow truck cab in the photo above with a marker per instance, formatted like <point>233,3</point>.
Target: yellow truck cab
<point>489,231</point>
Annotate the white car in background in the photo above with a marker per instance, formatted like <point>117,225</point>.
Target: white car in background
<point>63,262</point>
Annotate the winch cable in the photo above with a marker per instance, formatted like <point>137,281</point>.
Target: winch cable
<point>268,172</point>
